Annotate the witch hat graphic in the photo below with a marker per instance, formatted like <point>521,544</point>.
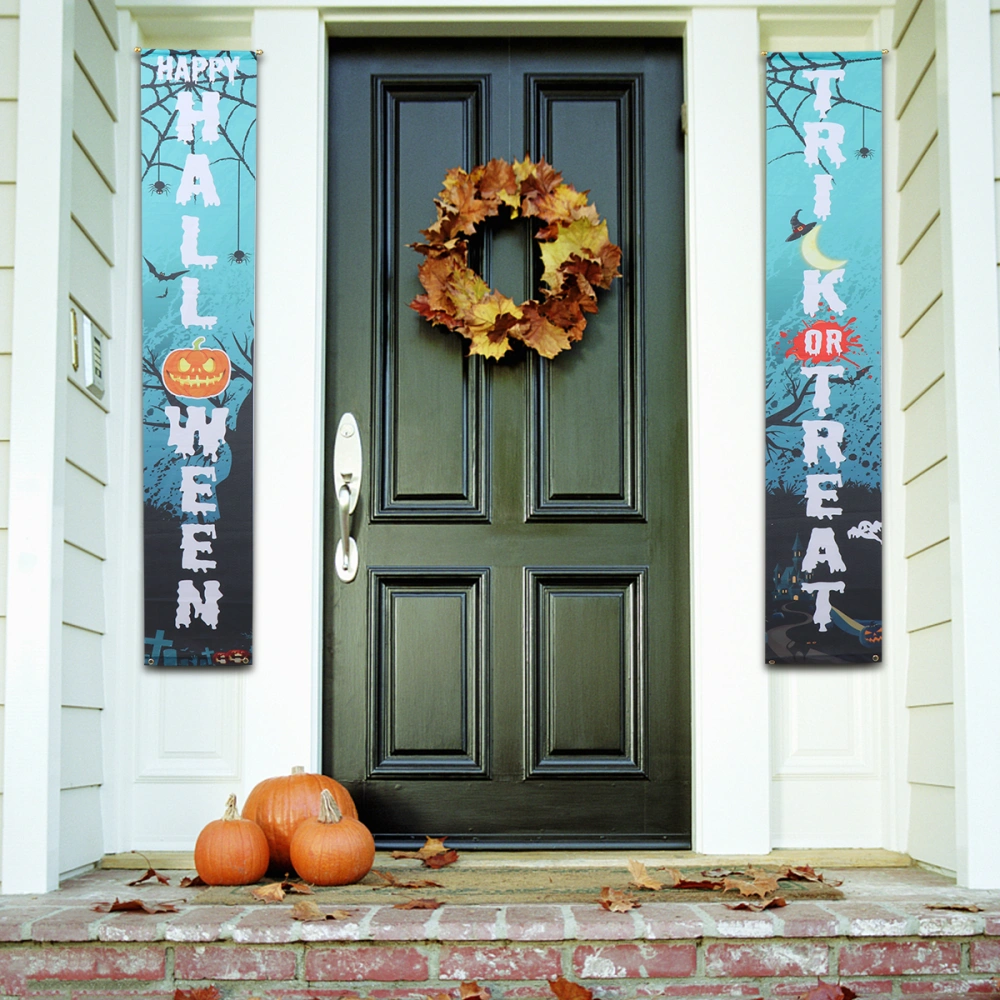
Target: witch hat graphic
<point>799,229</point>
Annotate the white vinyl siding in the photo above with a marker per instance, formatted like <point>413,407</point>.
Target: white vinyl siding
<point>92,256</point>
<point>931,753</point>
<point>8,162</point>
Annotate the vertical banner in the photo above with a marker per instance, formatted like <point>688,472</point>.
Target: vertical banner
<point>199,163</point>
<point>823,410</point>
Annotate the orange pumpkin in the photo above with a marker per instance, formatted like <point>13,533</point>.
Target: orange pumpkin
<point>231,850</point>
<point>196,372</point>
<point>332,849</point>
<point>278,805</point>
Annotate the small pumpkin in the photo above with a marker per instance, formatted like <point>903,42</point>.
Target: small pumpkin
<point>231,850</point>
<point>332,849</point>
<point>278,805</point>
<point>196,372</point>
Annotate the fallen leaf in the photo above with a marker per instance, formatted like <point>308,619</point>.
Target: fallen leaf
<point>189,882</point>
<point>150,873</point>
<point>419,904</point>
<point>806,873</point>
<point>761,886</point>
<point>473,991</point>
<point>307,910</point>
<point>641,879</point>
<point>678,881</point>
<point>417,883</point>
<point>270,893</point>
<point>617,900</point>
<point>961,907</point>
<point>441,860</point>
<point>766,905</point>
<point>565,990</point>
<point>297,887</point>
<point>134,905</point>
<point>198,993</point>
<point>722,872</point>
<point>828,991</point>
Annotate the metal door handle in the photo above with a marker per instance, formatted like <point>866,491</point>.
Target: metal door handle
<point>347,465</point>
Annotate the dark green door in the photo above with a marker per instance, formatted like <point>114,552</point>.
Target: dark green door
<point>511,663</point>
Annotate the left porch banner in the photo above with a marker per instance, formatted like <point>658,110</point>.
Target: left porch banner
<point>199,164</point>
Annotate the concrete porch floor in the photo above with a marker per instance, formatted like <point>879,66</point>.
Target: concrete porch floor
<point>882,940</point>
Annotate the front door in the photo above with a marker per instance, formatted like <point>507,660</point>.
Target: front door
<point>510,665</point>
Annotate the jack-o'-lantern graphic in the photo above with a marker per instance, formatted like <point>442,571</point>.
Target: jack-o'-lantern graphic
<point>196,372</point>
<point>871,635</point>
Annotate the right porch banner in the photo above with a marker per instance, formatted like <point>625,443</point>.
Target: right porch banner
<point>823,392</point>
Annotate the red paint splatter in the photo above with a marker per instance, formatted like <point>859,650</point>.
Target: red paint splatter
<point>824,340</point>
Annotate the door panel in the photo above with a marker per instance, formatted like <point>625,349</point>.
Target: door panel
<point>510,665</point>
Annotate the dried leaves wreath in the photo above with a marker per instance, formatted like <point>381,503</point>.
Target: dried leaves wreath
<point>577,254</point>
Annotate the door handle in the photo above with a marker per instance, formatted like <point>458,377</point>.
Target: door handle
<point>347,466</point>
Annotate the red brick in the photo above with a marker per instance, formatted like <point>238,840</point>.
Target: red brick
<point>380,963</point>
<point>389,924</point>
<point>15,921</point>
<point>594,923</point>
<point>220,961</point>
<point>767,958</point>
<point>671,921</point>
<point>155,994</point>
<point>863,987</point>
<point>535,923</point>
<point>872,920</point>
<point>200,923</point>
<point>491,963</point>
<point>896,958</point>
<point>808,920</point>
<point>992,923</point>
<point>18,964</point>
<point>631,961</point>
<point>984,955</point>
<point>939,988</point>
<point>467,923</point>
<point>710,991</point>
<point>73,924</point>
<point>131,927</point>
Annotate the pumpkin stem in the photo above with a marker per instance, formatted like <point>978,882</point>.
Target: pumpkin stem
<point>231,812</point>
<point>198,341</point>
<point>298,769</point>
<point>328,811</point>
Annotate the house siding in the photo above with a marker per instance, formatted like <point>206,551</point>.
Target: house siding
<point>92,256</point>
<point>931,750</point>
<point>8,160</point>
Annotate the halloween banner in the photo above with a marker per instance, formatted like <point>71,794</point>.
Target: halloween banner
<point>823,402</point>
<point>199,162</point>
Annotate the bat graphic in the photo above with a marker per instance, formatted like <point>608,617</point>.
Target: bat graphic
<point>159,275</point>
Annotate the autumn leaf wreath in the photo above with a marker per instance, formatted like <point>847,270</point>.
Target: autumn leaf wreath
<point>576,252</point>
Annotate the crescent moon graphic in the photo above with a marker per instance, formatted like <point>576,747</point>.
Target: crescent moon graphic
<point>815,257</point>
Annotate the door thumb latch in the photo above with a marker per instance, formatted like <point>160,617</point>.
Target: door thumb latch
<point>347,467</point>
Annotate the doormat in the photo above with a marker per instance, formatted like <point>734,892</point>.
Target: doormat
<point>504,886</point>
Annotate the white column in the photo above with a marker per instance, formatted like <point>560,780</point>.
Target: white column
<point>31,769</point>
<point>283,687</point>
<point>726,345</point>
<point>972,373</point>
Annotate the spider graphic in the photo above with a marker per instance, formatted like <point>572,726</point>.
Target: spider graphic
<point>159,187</point>
<point>239,257</point>
<point>864,153</point>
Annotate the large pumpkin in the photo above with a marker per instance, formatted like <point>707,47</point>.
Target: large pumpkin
<point>231,851</point>
<point>196,372</point>
<point>278,805</point>
<point>332,849</point>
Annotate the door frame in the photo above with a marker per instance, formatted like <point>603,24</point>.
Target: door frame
<point>716,201</point>
<point>722,69</point>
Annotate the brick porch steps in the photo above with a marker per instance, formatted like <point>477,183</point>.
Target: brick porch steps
<point>881,940</point>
